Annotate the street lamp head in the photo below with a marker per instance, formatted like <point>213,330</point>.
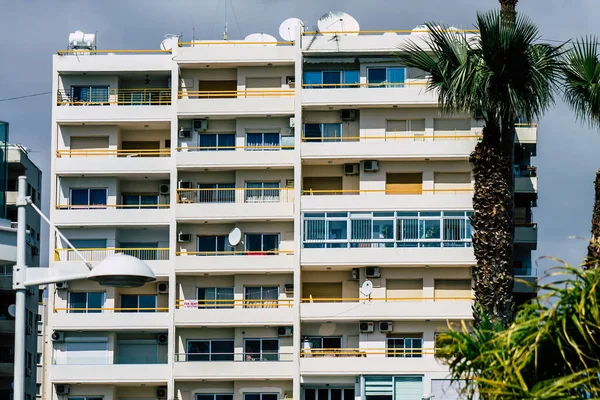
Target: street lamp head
<point>123,271</point>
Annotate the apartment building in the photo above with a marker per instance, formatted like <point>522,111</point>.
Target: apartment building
<point>304,205</point>
<point>16,162</point>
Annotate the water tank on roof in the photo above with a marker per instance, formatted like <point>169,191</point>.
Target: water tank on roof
<point>80,40</point>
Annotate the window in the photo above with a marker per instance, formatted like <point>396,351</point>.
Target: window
<point>204,396</point>
<point>329,394</point>
<point>324,342</point>
<point>144,201</point>
<point>139,352</point>
<point>138,303</point>
<point>406,346</point>
<point>216,141</point>
<point>403,128</point>
<point>404,183</point>
<point>393,387</point>
<point>331,79</point>
<point>89,198</point>
<point>216,193</point>
<point>210,350</point>
<point>262,192</point>
<point>208,245</point>
<point>86,398</point>
<point>323,132</point>
<point>214,297</point>
<point>452,289</point>
<point>261,297</point>
<point>89,94</point>
<point>391,77</point>
<point>404,288</point>
<point>83,351</point>
<point>261,349</point>
<point>263,141</point>
<point>262,242</point>
<point>86,302</point>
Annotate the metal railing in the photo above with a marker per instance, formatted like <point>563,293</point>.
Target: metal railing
<point>234,357</point>
<point>231,94</point>
<point>107,360</point>
<point>97,310</point>
<point>383,299</point>
<point>146,254</point>
<point>235,195</point>
<point>380,32</point>
<point>388,85</point>
<point>86,51</point>
<point>121,97</point>
<point>200,43</point>
<point>387,138</point>
<point>525,125</point>
<point>113,153</point>
<point>346,192</point>
<point>234,303</point>
<point>353,352</point>
<point>115,206</point>
<point>236,253</point>
<point>233,148</point>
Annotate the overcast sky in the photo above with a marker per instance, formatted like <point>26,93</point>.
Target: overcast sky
<point>32,30</point>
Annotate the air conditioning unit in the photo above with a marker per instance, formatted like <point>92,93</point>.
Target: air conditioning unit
<point>162,338</point>
<point>62,285</point>
<point>355,274</point>
<point>185,185</point>
<point>372,272</point>
<point>349,115</point>
<point>284,331</point>
<point>58,336</point>
<point>366,327</point>
<point>161,393</point>
<point>290,80</point>
<point>370,165</point>
<point>292,122</point>
<point>184,237</point>
<point>385,327</point>
<point>162,287</point>
<point>28,372</point>
<point>185,133</point>
<point>164,188</point>
<point>62,389</point>
<point>351,169</point>
<point>289,288</point>
<point>200,124</point>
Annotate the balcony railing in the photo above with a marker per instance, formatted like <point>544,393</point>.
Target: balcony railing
<point>121,51</point>
<point>113,153</point>
<point>121,97</point>
<point>346,192</point>
<point>236,253</point>
<point>105,360</point>
<point>234,94</point>
<point>200,43</point>
<point>383,299</point>
<point>235,195</point>
<point>233,303</point>
<point>146,254</point>
<point>94,310</point>
<point>351,352</point>
<point>380,32</point>
<point>115,206</point>
<point>234,148</point>
<point>364,85</point>
<point>459,135</point>
<point>237,356</point>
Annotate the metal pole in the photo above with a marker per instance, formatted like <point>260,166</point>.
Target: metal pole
<point>19,277</point>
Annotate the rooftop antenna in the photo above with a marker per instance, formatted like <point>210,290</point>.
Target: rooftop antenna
<point>225,33</point>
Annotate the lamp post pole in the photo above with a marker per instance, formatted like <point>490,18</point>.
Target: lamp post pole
<point>19,277</point>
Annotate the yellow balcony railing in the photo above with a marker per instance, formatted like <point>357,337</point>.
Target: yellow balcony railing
<point>383,299</point>
<point>345,192</point>
<point>201,43</point>
<point>420,83</point>
<point>92,310</point>
<point>235,195</point>
<point>236,253</point>
<point>526,125</point>
<point>394,137</point>
<point>115,206</point>
<point>232,148</point>
<point>113,153</point>
<point>380,32</point>
<point>232,94</point>
<point>234,303</point>
<point>146,254</point>
<point>85,51</point>
<point>110,96</point>
<point>352,352</point>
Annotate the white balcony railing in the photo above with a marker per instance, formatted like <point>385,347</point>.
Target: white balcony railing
<point>235,195</point>
<point>96,254</point>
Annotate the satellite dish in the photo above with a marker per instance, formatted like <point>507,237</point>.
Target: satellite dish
<point>235,236</point>
<point>338,22</point>
<point>287,29</point>
<point>390,34</point>
<point>12,310</point>
<point>420,30</point>
<point>367,288</point>
<point>261,38</point>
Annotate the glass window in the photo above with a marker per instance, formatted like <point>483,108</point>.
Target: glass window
<point>261,349</point>
<point>329,394</point>
<point>262,192</point>
<point>215,297</point>
<point>323,132</point>
<point>263,141</point>
<point>395,77</point>
<point>261,297</point>
<point>210,193</point>
<point>312,78</point>
<point>430,229</point>
<point>386,77</point>
<point>267,243</point>
<point>204,396</point>
<point>89,94</point>
<point>216,141</point>
<point>332,79</point>
<point>208,245</point>
<point>210,350</point>
<point>138,303</point>
<point>376,77</point>
<point>406,347</point>
<point>93,198</point>
<point>144,201</point>
<point>337,229</point>
<point>86,302</point>
<point>351,78</point>
<point>383,229</point>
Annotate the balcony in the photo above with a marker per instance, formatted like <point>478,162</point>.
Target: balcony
<point>112,214</point>
<point>236,102</point>
<point>440,147</point>
<point>526,235</point>
<point>236,156</point>
<point>235,204</point>
<point>526,133</point>
<point>194,313</point>
<point>233,52</point>
<point>156,258</point>
<point>108,161</point>
<point>277,261</point>
<point>342,309</point>
<point>109,373</point>
<point>98,319</point>
<point>372,199</point>
<point>368,361</point>
<point>238,366</point>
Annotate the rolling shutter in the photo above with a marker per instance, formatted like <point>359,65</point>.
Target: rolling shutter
<point>396,127</point>
<point>408,388</point>
<point>449,288</point>
<point>404,288</point>
<point>89,143</point>
<point>263,83</point>
<point>379,386</point>
<point>451,127</point>
<point>218,88</point>
<point>448,181</point>
<point>404,183</point>
<point>322,290</point>
<point>332,183</point>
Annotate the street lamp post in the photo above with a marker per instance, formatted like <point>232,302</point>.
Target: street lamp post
<point>117,271</point>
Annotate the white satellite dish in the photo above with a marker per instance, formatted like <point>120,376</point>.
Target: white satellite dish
<point>265,38</point>
<point>287,29</point>
<point>420,30</point>
<point>235,236</point>
<point>390,34</point>
<point>367,288</point>
<point>12,310</point>
<point>338,22</point>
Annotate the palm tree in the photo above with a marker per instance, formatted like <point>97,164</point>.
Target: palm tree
<point>593,253</point>
<point>497,75</point>
<point>508,10</point>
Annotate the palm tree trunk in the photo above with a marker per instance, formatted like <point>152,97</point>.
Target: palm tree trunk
<point>592,260</point>
<point>508,10</point>
<point>493,225</point>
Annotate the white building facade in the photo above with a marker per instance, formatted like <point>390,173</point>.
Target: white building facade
<point>264,184</point>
